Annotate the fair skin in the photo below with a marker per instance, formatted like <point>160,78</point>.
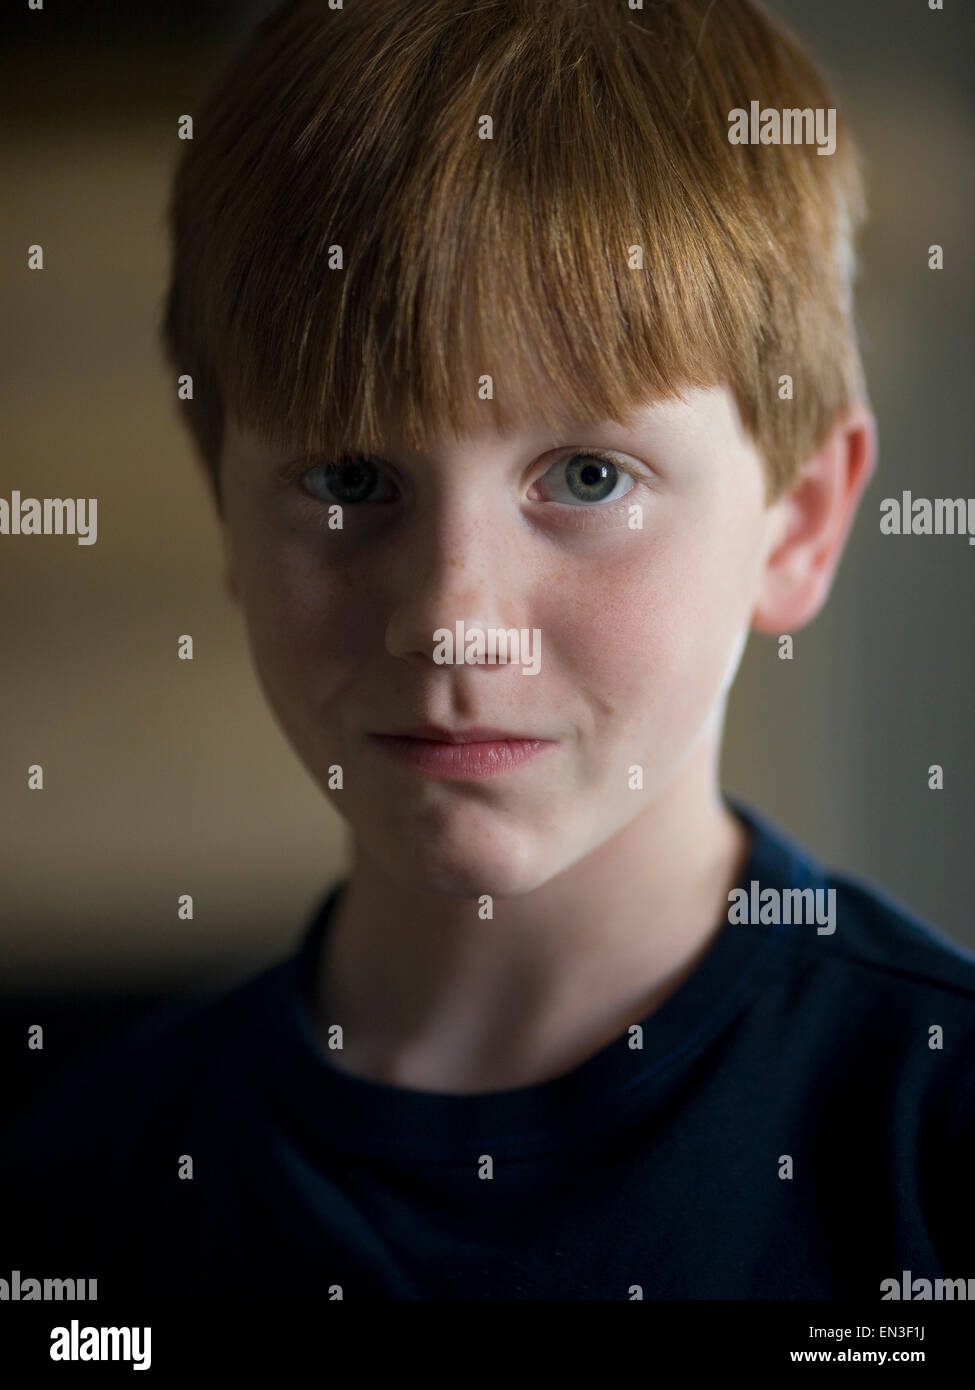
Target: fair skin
<point>605,897</point>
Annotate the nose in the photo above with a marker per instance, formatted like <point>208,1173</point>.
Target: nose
<point>459,561</point>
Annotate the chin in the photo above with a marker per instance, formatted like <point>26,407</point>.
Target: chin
<point>457,870</point>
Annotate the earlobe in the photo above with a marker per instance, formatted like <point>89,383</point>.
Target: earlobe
<point>813,523</point>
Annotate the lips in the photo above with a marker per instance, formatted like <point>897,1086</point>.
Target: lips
<point>463,756</point>
<point>478,734</point>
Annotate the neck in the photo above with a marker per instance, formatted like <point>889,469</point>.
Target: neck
<point>431,997</point>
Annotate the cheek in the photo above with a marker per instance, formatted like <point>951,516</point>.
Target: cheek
<point>305,620</point>
<point>650,635</point>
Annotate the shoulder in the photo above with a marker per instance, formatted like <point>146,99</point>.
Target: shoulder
<point>850,922</point>
<point>884,936</point>
<point>873,989</point>
<point>138,1078</point>
<point>885,944</point>
<point>90,1174</point>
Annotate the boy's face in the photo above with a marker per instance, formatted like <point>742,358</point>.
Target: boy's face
<point>641,630</point>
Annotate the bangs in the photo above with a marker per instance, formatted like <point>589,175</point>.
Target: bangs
<point>482,300</point>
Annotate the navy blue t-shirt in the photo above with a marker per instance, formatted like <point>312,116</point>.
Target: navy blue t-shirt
<point>799,1122</point>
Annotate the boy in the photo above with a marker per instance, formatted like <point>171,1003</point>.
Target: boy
<point>526,384</point>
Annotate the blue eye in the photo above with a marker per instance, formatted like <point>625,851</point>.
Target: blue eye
<point>591,477</point>
<point>585,476</point>
<point>349,480</point>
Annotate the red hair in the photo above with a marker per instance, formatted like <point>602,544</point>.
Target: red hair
<point>511,257</point>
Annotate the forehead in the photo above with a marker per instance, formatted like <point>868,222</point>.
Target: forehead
<point>678,422</point>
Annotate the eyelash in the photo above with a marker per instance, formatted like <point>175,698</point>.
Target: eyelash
<point>580,516</point>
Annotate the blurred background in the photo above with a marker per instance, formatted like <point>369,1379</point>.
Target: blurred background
<point>165,777</point>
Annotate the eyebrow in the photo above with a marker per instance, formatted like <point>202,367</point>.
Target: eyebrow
<point>295,464</point>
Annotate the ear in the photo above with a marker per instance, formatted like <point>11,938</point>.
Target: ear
<point>811,523</point>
